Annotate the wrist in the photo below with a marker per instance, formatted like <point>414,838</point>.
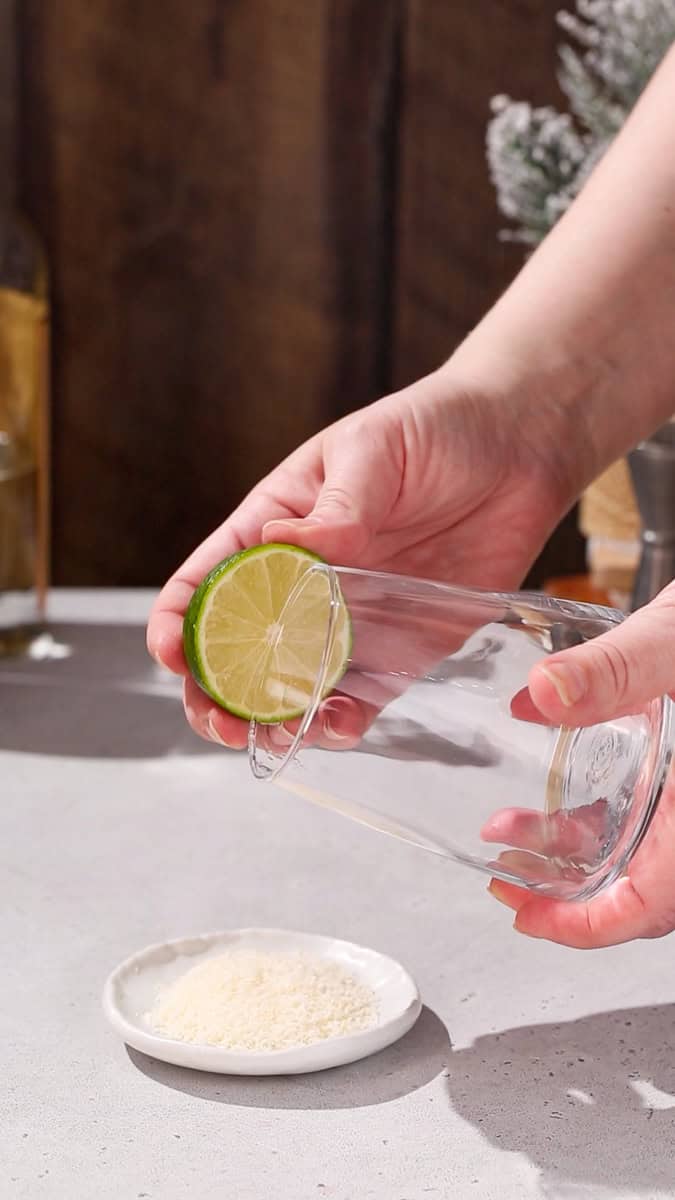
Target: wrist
<point>541,400</point>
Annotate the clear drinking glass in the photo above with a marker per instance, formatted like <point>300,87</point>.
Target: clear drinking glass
<point>445,750</point>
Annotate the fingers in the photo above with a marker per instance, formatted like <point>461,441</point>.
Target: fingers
<point>579,834</point>
<point>523,709</point>
<point>331,496</point>
<point>327,497</point>
<point>344,720</point>
<point>339,724</point>
<point>337,542</point>
<point>611,675</point>
<point>617,915</point>
<point>164,637</point>
<point>209,721</point>
<point>362,479</point>
<point>639,905</point>
<point>165,625</point>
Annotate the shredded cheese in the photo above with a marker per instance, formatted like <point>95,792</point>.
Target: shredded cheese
<point>258,1001</point>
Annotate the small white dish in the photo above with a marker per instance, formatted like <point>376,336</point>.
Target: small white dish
<point>133,987</point>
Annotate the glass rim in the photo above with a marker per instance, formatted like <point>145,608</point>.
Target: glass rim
<point>335,600</point>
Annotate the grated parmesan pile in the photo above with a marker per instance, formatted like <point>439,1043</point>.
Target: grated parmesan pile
<point>261,1001</point>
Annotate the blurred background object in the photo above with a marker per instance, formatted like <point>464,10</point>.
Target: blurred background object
<point>652,467</point>
<point>259,214</point>
<point>24,450</point>
<point>609,519</point>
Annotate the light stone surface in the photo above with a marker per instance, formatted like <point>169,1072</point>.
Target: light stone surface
<point>534,1072</point>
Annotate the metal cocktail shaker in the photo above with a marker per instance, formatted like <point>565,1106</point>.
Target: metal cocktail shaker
<point>652,467</point>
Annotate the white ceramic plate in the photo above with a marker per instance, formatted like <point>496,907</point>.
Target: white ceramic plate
<point>134,985</point>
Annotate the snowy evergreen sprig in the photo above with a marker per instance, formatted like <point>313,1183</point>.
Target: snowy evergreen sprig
<point>540,158</point>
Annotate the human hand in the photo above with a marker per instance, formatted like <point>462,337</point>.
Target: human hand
<point>447,480</point>
<point>607,678</point>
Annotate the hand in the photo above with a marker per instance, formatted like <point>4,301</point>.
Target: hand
<point>610,677</point>
<point>445,479</point>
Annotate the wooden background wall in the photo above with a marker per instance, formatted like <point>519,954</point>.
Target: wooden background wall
<point>260,214</point>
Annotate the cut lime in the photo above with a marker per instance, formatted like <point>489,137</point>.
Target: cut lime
<point>255,644</point>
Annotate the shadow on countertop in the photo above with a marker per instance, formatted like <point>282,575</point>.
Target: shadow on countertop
<point>590,1102</point>
<point>400,1069</point>
<point>104,699</point>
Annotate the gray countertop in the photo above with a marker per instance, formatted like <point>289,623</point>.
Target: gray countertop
<point>534,1071</point>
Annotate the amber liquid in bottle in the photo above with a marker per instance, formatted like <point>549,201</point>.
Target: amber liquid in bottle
<point>24,435</point>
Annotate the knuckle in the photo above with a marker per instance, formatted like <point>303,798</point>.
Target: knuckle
<point>354,424</point>
<point>335,496</point>
<point>613,663</point>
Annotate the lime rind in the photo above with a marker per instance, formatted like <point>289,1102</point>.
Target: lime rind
<point>199,615</point>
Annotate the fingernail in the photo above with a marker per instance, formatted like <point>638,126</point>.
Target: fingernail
<point>501,892</point>
<point>524,932</point>
<point>494,888</point>
<point>330,719</point>
<point>294,522</point>
<point>215,736</point>
<point>279,737</point>
<point>154,654</point>
<point>568,680</point>
<point>331,734</point>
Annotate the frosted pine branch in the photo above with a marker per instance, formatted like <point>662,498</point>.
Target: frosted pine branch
<point>535,155</point>
<point>623,43</point>
<point>539,158</point>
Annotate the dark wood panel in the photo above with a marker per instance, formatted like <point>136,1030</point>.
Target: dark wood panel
<point>208,179</point>
<point>450,264</point>
<point>260,214</point>
<point>8,104</point>
<point>362,81</point>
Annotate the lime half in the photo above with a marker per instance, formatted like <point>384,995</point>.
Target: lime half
<point>255,641</point>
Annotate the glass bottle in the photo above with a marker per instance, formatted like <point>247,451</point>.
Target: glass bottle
<point>24,475</point>
<point>24,433</point>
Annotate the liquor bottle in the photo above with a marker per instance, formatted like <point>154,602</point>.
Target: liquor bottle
<point>24,454</point>
<point>24,434</point>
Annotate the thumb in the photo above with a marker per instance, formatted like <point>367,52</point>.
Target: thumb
<point>614,674</point>
<point>362,480</point>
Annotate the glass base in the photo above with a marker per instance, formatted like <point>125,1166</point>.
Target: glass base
<point>20,639</point>
<point>602,788</point>
<point>22,621</point>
